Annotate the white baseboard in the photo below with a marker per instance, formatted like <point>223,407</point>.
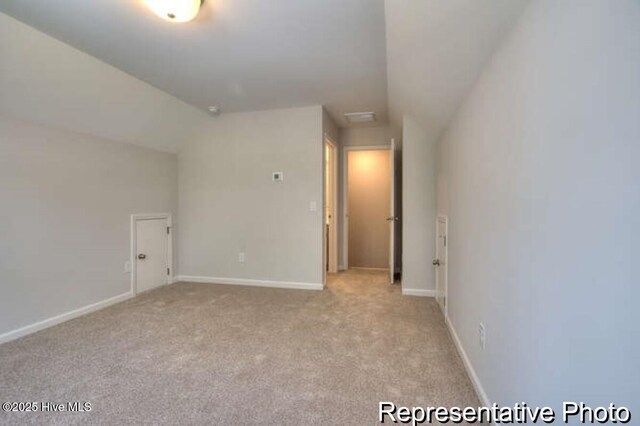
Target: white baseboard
<point>252,283</point>
<point>341,268</point>
<point>50,322</point>
<point>482,395</point>
<point>418,292</point>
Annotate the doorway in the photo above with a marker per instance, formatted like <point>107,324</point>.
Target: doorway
<point>330,206</point>
<point>369,208</point>
<point>151,251</point>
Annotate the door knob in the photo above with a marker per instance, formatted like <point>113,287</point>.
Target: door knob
<point>436,262</point>
<point>142,256</point>
<point>390,218</point>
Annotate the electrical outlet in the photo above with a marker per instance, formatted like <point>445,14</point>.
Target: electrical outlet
<point>482,334</point>
<point>313,206</point>
<point>241,257</point>
<point>127,267</point>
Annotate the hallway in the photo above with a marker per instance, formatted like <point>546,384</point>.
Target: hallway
<point>202,353</point>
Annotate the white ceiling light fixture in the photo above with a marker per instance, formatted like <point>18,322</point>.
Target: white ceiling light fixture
<point>175,10</point>
<point>360,117</point>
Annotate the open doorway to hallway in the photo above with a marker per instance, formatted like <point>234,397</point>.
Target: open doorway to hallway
<point>370,208</point>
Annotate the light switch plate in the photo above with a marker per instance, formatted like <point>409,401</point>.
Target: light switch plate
<point>278,176</point>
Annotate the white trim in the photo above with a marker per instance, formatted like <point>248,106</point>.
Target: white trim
<point>345,194</point>
<point>250,282</point>
<point>418,292</point>
<point>50,322</point>
<point>341,268</point>
<point>134,248</point>
<point>392,212</point>
<point>482,395</point>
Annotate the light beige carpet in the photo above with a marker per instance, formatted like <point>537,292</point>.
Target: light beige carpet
<point>216,354</point>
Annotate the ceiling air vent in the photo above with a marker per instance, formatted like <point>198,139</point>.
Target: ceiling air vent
<point>360,117</point>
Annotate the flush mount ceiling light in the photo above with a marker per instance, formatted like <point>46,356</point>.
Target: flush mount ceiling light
<point>175,10</point>
<point>360,117</point>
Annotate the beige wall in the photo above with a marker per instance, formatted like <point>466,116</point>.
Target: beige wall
<point>418,208</point>
<point>365,136</point>
<point>368,204</point>
<point>65,217</point>
<point>329,127</point>
<point>229,203</point>
<point>68,185</point>
<point>539,176</point>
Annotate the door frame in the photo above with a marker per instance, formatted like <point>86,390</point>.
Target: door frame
<point>393,217</point>
<point>345,194</point>
<point>333,251</point>
<point>135,218</point>
<point>445,219</point>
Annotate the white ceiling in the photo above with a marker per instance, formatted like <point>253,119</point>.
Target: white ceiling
<point>436,49</point>
<point>246,55</point>
<point>242,55</point>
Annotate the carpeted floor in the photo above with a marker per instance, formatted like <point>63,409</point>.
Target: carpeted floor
<point>217,354</point>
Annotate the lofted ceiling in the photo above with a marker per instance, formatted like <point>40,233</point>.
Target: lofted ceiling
<point>241,55</point>
<point>417,57</point>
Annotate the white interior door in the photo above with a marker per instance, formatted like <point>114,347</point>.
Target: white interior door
<point>331,212</point>
<point>152,260</point>
<point>392,219</point>
<point>440,262</point>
